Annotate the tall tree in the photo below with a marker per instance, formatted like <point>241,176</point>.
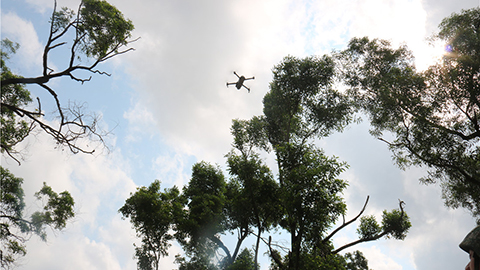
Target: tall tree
<point>434,115</point>
<point>304,200</point>
<point>205,220</point>
<point>253,197</point>
<point>151,213</point>
<point>302,106</point>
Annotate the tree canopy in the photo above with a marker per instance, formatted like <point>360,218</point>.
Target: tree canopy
<point>304,200</point>
<point>433,114</point>
<point>15,228</point>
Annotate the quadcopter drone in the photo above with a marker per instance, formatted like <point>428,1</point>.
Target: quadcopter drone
<point>240,81</point>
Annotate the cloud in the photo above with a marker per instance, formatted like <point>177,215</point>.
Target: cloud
<point>73,252</point>
<point>182,113</point>
<point>99,186</point>
<point>438,10</point>
<point>46,6</point>
<point>141,122</point>
<point>22,31</point>
<point>436,230</point>
<point>185,57</point>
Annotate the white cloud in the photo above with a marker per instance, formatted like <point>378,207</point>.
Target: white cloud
<point>186,54</point>
<point>22,31</point>
<point>378,260</point>
<point>96,238</point>
<point>46,6</point>
<point>141,122</point>
<point>73,251</point>
<point>171,170</point>
<point>189,53</point>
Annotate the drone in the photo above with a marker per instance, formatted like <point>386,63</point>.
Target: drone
<point>240,81</point>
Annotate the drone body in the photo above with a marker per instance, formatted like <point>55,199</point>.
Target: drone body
<point>240,81</point>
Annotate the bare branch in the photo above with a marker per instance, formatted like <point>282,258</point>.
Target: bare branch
<point>373,237</point>
<point>80,80</point>
<point>274,254</point>
<point>347,223</point>
<point>54,95</point>
<point>57,45</point>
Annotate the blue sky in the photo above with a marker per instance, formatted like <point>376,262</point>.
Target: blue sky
<point>168,107</point>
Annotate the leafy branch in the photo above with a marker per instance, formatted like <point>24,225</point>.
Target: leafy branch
<point>101,33</point>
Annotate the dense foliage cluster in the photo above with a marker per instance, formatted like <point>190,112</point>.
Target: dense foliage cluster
<point>15,228</point>
<point>434,115</point>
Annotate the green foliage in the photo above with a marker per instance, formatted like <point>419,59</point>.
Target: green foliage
<point>15,228</point>
<point>434,115</point>
<point>301,106</point>
<point>206,199</point>
<point>11,212</point>
<point>368,227</point>
<point>249,134</point>
<point>57,210</point>
<point>326,262</point>
<point>152,213</point>
<point>310,190</point>
<point>102,28</point>
<point>61,19</point>
<point>101,32</point>
<point>355,261</point>
<point>199,262</point>
<point>461,30</point>
<point>244,261</point>
<point>396,223</point>
<point>301,102</point>
<point>305,200</point>
<point>13,130</point>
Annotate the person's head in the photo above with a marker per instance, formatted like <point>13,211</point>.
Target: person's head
<point>471,244</point>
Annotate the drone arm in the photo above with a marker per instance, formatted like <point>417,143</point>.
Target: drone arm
<point>236,74</point>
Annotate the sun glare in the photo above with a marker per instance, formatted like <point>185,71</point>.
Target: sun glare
<point>429,54</point>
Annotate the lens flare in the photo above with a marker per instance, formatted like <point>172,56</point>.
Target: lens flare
<point>448,48</point>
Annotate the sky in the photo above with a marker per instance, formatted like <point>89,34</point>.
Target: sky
<point>167,106</point>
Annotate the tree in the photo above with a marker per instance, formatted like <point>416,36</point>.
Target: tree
<point>300,107</point>
<point>245,261</point>
<point>99,33</point>
<point>253,191</point>
<point>434,115</point>
<point>151,213</point>
<point>205,218</point>
<point>16,95</point>
<point>356,261</point>
<point>304,200</point>
<point>15,228</point>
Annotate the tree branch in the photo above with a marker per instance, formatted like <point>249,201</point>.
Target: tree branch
<point>372,238</point>
<point>219,243</point>
<point>274,254</point>
<point>347,223</point>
